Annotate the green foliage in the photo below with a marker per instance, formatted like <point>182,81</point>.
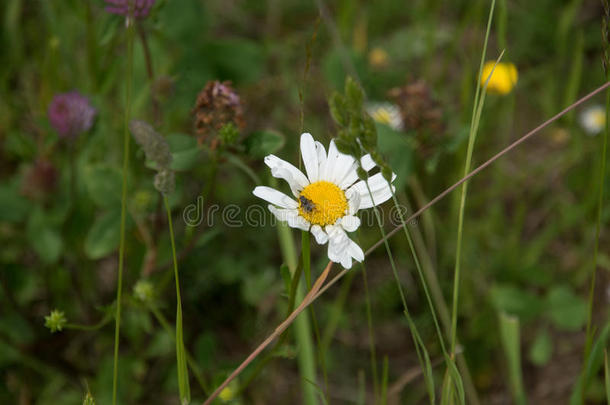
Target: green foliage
<point>511,342</point>
<point>541,348</point>
<point>528,233</point>
<point>103,236</point>
<point>262,143</point>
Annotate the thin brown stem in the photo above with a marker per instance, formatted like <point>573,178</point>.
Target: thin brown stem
<point>277,332</point>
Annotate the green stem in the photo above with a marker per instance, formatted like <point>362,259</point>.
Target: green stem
<point>471,138</point>
<point>190,360</point>
<point>600,204</point>
<point>305,253</point>
<point>183,379</point>
<point>301,324</point>
<point>119,293</point>
<point>420,348</point>
<point>89,328</point>
<point>369,322</point>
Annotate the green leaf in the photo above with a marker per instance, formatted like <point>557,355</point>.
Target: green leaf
<point>592,365</point>
<point>566,310</point>
<point>261,143</point>
<point>45,240</point>
<point>103,237</point>
<point>396,146</point>
<point>240,59</point>
<point>104,185</point>
<point>256,286</point>
<point>13,207</point>
<point>511,343</point>
<point>541,349</point>
<point>185,152</point>
<point>515,301</point>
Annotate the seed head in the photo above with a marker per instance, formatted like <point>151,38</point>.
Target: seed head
<point>154,144</point>
<point>217,105</point>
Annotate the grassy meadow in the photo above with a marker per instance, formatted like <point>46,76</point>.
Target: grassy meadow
<point>138,267</point>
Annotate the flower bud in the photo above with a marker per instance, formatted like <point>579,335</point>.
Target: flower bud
<point>70,114</point>
<point>55,321</point>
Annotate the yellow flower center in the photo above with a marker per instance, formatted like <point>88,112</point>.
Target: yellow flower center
<point>598,118</point>
<point>322,203</point>
<point>382,116</point>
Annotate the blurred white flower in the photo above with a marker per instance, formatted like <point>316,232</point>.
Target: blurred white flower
<point>593,119</point>
<point>387,114</point>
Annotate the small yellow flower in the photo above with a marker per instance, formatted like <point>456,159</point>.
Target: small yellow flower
<point>378,57</point>
<point>503,79</point>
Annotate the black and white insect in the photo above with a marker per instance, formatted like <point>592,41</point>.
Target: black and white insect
<point>307,205</point>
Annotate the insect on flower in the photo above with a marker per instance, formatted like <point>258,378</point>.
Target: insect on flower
<point>306,204</point>
<point>327,198</point>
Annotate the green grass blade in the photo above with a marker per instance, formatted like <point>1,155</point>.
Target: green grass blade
<point>183,376</point>
<point>607,376</point>
<point>592,365</point>
<point>126,140</point>
<point>511,343</point>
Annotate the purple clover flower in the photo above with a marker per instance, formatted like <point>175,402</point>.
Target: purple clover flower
<point>141,8</point>
<point>71,114</point>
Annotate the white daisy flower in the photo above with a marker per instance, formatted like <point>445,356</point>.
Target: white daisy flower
<point>593,119</point>
<point>328,198</point>
<point>386,113</point>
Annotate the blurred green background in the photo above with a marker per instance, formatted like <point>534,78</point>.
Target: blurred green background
<point>530,218</point>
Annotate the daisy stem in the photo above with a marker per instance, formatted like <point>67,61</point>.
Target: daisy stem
<point>307,365</point>
<point>183,379</point>
<point>600,204</point>
<point>306,255</point>
<point>117,325</point>
<point>420,348</point>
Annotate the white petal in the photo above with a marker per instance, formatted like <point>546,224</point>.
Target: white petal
<point>274,197</point>
<point>331,160</point>
<point>341,249</point>
<point>355,251</point>
<point>346,261</point>
<point>379,197</point>
<point>321,152</point>
<point>353,201</point>
<point>379,188</point>
<point>310,157</point>
<point>299,222</point>
<point>283,170</point>
<point>290,216</point>
<point>367,162</point>
<point>343,165</point>
<point>350,223</point>
<point>319,234</point>
<point>352,175</point>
